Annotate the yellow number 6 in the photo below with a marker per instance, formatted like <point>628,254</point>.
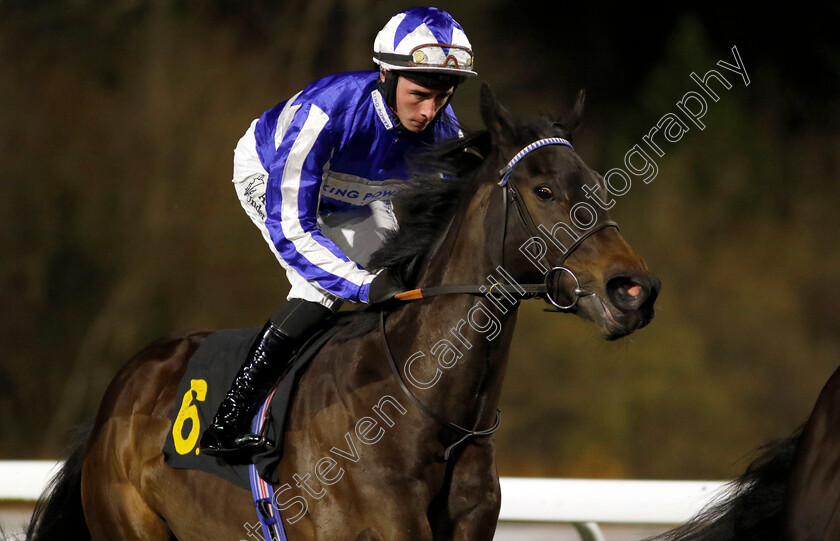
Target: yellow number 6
<point>189,411</point>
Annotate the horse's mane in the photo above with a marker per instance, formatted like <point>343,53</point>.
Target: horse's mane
<point>752,507</point>
<point>427,202</point>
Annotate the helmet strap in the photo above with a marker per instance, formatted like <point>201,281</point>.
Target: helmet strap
<point>388,89</point>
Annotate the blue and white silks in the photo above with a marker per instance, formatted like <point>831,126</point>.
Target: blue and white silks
<point>325,161</point>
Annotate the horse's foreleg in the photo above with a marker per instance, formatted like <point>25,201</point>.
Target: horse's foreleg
<point>390,511</point>
<point>471,508</point>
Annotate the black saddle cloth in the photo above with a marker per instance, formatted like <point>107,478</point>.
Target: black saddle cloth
<point>210,372</point>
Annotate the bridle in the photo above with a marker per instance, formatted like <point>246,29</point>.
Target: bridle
<point>546,289</point>
<point>510,194</point>
<point>522,291</point>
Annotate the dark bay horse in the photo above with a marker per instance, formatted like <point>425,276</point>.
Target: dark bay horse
<point>791,492</point>
<point>362,461</point>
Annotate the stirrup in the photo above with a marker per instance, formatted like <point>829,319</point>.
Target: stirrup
<point>217,447</point>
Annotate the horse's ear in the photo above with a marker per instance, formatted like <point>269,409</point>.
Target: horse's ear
<point>498,120</point>
<point>573,121</point>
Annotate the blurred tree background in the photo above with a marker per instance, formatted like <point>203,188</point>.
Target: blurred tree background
<point>117,128</point>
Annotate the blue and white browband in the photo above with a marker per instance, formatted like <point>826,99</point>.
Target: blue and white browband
<point>505,173</point>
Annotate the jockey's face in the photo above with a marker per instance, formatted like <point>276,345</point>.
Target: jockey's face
<point>417,105</point>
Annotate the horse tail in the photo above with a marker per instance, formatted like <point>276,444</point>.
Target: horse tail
<point>58,513</point>
<point>753,506</point>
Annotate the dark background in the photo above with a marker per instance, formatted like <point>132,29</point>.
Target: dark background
<point>118,121</point>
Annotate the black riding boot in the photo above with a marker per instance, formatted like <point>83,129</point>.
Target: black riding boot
<point>268,361</point>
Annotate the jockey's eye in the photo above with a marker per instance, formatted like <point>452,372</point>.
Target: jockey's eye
<point>543,192</point>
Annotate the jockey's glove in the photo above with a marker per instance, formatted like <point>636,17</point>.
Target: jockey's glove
<point>383,287</point>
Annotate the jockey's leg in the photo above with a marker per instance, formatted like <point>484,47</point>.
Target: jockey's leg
<point>268,360</point>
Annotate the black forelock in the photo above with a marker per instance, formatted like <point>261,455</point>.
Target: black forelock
<point>544,126</point>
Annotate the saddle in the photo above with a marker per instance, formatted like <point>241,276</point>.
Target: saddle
<point>210,372</point>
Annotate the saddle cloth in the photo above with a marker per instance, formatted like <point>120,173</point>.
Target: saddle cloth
<point>210,372</point>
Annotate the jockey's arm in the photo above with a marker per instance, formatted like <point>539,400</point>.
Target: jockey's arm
<point>292,198</point>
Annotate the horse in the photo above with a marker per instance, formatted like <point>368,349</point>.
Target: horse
<point>415,440</point>
<point>790,492</point>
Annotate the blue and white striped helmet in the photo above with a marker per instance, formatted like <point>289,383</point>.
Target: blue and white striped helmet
<point>424,40</point>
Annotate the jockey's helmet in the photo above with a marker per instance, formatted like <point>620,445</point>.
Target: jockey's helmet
<point>425,45</point>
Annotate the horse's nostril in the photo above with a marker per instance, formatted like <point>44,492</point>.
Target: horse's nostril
<point>632,289</point>
<point>627,292</point>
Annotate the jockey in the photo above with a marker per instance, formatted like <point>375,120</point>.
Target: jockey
<point>316,173</point>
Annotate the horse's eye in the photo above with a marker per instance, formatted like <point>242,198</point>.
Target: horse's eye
<point>543,192</point>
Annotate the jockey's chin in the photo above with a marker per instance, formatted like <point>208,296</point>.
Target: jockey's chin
<point>416,126</point>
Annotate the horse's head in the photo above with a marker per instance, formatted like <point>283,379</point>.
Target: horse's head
<point>556,227</point>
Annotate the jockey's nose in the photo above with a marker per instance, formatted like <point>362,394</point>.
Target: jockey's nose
<point>427,109</point>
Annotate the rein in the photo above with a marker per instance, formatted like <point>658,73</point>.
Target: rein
<point>464,432</point>
<point>523,291</point>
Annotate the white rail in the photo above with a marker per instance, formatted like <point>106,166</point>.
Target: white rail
<point>595,500</point>
<point>581,502</point>
<point>25,480</point>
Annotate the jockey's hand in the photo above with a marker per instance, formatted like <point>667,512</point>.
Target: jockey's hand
<point>383,288</point>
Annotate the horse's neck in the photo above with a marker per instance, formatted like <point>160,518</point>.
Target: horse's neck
<point>471,245</point>
<point>465,339</point>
